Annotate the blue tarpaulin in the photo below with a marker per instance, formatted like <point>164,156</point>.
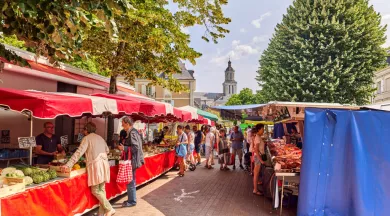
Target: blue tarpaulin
<point>346,163</point>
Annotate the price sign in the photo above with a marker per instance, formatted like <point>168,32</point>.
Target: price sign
<point>64,140</point>
<point>5,136</point>
<point>115,137</point>
<point>26,142</point>
<point>80,137</point>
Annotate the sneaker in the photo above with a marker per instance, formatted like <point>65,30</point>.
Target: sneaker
<point>198,164</point>
<point>126,204</point>
<point>241,167</point>
<point>234,167</point>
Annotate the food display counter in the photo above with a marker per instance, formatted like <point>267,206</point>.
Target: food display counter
<point>72,196</point>
<point>285,160</point>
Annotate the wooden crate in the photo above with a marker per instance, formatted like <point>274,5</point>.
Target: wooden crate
<point>70,174</point>
<point>13,189</point>
<point>15,180</point>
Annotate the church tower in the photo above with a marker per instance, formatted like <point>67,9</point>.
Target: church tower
<point>230,85</point>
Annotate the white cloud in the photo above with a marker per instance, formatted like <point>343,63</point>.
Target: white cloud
<point>242,30</point>
<point>238,51</point>
<point>259,39</point>
<point>257,22</point>
<point>235,43</point>
<point>386,17</point>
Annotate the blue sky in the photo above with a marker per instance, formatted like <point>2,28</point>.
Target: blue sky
<point>253,23</point>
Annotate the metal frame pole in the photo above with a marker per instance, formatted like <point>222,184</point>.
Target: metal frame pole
<point>31,134</point>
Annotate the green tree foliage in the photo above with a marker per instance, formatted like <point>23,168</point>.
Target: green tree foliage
<point>136,39</point>
<point>150,41</point>
<point>13,41</point>
<point>246,97</point>
<point>56,29</point>
<point>324,51</point>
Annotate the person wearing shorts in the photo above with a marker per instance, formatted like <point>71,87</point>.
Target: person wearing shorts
<point>237,139</point>
<point>198,140</point>
<point>258,150</point>
<point>191,145</point>
<point>209,143</point>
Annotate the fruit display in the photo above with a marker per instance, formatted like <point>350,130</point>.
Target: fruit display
<point>286,156</point>
<point>37,178</point>
<point>28,180</point>
<point>30,174</point>
<point>76,167</point>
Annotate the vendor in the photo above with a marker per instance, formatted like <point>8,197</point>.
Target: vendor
<point>295,138</point>
<point>48,144</point>
<point>163,133</point>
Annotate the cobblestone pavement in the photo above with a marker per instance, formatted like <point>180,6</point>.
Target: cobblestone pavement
<point>202,192</point>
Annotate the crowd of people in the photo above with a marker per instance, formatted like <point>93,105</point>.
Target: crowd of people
<point>191,143</point>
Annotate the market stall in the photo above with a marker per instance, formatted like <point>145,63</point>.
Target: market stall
<point>283,168</point>
<point>72,196</point>
<point>72,190</point>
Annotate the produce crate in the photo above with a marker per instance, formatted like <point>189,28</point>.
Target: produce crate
<point>14,180</point>
<point>71,174</point>
<point>13,189</point>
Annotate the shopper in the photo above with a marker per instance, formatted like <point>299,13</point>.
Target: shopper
<point>209,143</point>
<point>98,169</point>
<point>258,151</point>
<point>223,150</point>
<point>203,145</point>
<point>134,142</point>
<point>198,140</point>
<point>191,144</point>
<point>237,139</point>
<point>181,148</point>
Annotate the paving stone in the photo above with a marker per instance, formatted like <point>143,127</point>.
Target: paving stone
<point>219,193</point>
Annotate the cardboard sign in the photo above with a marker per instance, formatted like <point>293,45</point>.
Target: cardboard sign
<point>115,137</point>
<point>26,142</point>
<point>5,137</point>
<point>80,137</point>
<point>64,140</point>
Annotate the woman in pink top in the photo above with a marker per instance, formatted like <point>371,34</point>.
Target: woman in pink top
<point>258,150</point>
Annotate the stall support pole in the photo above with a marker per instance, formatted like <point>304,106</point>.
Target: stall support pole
<point>147,134</point>
<point>281,199</point>
<point>31,134</point>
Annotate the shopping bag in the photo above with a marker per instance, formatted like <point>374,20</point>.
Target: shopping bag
<point>125,172</point>
<point>230,159</point>
<point>181,150</point>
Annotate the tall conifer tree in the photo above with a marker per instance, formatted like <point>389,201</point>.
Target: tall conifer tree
<point>324,51</point>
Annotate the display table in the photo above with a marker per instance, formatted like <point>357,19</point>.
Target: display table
<point>72,196</point>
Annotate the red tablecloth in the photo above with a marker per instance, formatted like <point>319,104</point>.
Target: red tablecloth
<point>72,196</point>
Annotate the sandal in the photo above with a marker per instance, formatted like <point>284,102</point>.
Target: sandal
<point>210,167</point>
<point>258,193</point>
<point>181,175</point>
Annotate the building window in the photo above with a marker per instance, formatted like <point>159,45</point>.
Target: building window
<point>379,87</point>
<point>229,90</point>
<point>387,84</point>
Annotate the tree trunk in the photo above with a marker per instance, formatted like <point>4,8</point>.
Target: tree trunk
<point>113,90</point>
<point>110,120</point>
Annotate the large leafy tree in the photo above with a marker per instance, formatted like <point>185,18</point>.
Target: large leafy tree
<point>324,51</point>
<point>150,40</point>
<point>56,29</point>
<point>136,39</point>
<point>246,97</point>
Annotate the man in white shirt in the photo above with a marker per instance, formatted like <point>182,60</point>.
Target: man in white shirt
<point>210,139</point>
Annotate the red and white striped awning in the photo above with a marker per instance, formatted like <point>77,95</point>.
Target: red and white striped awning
<point>149,111</point>
<point>47,105</point>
